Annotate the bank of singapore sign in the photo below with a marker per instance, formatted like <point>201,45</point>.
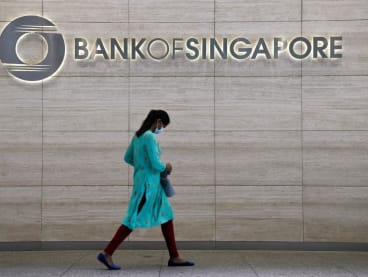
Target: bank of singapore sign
<point>193,48</point>
<point>239,48</point>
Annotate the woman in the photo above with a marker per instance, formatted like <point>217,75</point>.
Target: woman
<point>148,206</point>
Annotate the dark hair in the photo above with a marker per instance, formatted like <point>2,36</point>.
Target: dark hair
<point>151,118</point>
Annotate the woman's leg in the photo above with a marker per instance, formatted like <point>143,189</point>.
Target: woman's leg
<point>121,234</point>
<point>168,232</point>
<point>169,235</point>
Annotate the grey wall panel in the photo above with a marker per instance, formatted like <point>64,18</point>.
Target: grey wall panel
<point>180,66</point>
<point>85,158</point>
<point>192,156</point>
<point>259,103</point>
<point>260,66</point>
<point>334,10</point>
<point>69,213</point>
<point>86,104</point>
<point>335,158</point>
<point>11,9</point>
<point>3,71</point>
<point>93,66</point>
<point>258,158</point>
<point>86,11</point>
<point>194,209</point>
<point>20,158</point>
<point>355,38</point>
<point>193,162</point>
<point>257,213</point>
<point>336,214</point>
<point>189,101</point>
<point>264,10</point>
<point>20,106</point>
<point>20,213</point>
<point>335,103</point>
<point>171,11</point>
<point>195,213</point>
<point>242,160</point>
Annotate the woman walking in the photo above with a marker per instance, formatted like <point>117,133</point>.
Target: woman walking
<point>148,206</point>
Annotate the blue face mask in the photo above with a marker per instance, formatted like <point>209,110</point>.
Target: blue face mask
<point>159,131</point>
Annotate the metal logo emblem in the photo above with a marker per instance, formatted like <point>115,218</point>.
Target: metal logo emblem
<point>18,29</point>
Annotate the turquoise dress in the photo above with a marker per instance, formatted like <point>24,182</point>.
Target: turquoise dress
<point>148,206</point>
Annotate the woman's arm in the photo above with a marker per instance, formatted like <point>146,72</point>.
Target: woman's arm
<point>151,145</point>
<point>129,154</point>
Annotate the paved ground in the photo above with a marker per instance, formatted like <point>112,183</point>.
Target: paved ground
<point>208,263</point>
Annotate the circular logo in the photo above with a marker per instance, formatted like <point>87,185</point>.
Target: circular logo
<point>34,27</point>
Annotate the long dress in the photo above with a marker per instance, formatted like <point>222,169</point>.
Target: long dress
<point>148,206</point>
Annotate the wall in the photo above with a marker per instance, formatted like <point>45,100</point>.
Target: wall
<point>262,150</point>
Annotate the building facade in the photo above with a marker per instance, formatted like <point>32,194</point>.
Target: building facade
<point>263,149</point>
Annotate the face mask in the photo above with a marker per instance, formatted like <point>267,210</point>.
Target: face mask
<point>159,131</point>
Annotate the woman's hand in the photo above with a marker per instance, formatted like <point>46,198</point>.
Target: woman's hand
<point>168,167</point>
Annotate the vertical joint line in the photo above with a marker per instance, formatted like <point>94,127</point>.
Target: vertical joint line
<point>129,88</point>
<point>42,163</point>
<point>42,141</point>
<point>301,121</point>
<point>214,125</point>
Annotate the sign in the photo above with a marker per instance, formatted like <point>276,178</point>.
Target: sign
<point>120,49</point>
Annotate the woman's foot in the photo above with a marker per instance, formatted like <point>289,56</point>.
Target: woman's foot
<point>108,258</point>
<point>178,261</point>
<point>107,261</point>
